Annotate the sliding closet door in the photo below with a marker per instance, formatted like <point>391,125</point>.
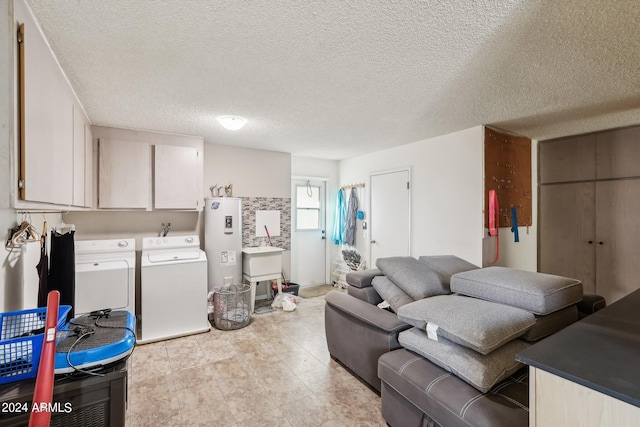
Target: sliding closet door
<point>617,235</point>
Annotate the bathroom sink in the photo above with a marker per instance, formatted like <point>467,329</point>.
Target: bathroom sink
<point>261,261</point>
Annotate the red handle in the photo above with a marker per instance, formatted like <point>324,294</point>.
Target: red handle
<point>268,235</point>
<point>494,221</point>
<point>43,394</point>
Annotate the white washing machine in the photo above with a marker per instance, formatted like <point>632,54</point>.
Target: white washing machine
<point>105,275</point>
<point>173,288</point>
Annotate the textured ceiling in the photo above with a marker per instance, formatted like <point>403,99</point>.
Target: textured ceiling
<point>334,79</point>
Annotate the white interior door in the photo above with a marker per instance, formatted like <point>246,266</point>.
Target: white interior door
<point>390,219</point>
<point>309,243</point>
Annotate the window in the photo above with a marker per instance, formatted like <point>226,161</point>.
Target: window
<point>307,207</point>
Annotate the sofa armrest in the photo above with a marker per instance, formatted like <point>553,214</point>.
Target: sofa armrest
<point>368,295</point>
<point>358,333</point>
<point>590,304</point>
<point>366,313</point>
<point>362,278</point>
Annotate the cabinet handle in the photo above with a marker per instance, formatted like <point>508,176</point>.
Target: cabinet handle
<point>590,242</point>
<point>601,243</point>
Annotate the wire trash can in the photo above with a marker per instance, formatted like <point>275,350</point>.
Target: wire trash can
<point>231,306</point>
<point>21,338</point>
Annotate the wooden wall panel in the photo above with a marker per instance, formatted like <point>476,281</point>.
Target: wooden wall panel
<point>507,169</point>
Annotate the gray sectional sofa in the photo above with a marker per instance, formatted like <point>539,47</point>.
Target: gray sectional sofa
<point>443,354</point>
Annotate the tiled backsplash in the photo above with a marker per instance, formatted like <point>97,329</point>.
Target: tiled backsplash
<point>252,204</point>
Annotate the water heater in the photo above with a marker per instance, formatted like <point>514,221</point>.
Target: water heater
<point>223,240</point>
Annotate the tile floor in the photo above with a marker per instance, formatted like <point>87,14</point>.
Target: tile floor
<point>275,372</point>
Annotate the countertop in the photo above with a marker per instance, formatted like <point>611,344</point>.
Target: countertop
<point>601,351</point>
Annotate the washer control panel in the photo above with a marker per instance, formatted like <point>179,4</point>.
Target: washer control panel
<point>104,246</point>
<point>170,242</point>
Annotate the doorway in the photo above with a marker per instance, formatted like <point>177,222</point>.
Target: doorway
<point>308,232</point>
<point>390,219</point>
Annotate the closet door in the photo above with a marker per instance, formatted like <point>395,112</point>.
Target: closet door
<point>567,232</point>
<point>618,237</point>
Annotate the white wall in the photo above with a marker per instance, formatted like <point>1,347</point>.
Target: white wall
<point>253,173</point>
<point>446,192</point>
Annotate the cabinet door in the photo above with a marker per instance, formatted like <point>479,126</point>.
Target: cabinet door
<point>177,177</point>
<point>567,159</point>
<point>617,153</point>
<point>618,238</point>
<point>124,174</point>
<point>47,103</point>
<point>79,156</point>
<point>89,181</point>
<point>567,232</point>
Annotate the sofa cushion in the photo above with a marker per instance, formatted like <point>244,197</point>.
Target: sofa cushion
<point>479,370</point>
<point>474,323</point>
<point>536,292</point>
<point>414,277</point>
<point>447,265</point>
<point>551,323</point>
<point>391,293</point>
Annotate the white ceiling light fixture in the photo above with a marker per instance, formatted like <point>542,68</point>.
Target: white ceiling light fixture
<point>232,122</point>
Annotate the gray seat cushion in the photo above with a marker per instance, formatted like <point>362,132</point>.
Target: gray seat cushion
<point>447,265</point>
<point>536,292</point>
<point>447,399</point>
<point>414,277</point>
<point>480,325</point>
<point>391,293</point>
<point>479,370</point>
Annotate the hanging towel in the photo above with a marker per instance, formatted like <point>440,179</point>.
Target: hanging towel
<point>339,219</point>
<point>352,213</point>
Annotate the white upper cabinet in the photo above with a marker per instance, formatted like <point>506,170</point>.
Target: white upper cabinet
<point>142,175</point>
<point>177,177</point>
<point>124,174</point>
<point>50,165</point>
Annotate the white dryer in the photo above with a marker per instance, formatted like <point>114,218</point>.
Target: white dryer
<point>105,275</point>
<point>173,288</point>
